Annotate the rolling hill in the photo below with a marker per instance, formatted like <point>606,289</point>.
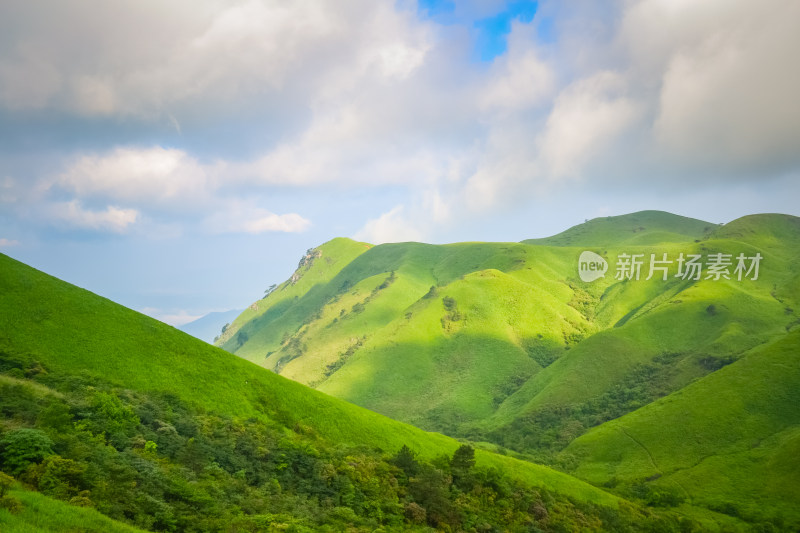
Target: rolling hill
<point>502,342</point>
<point>105,407</point>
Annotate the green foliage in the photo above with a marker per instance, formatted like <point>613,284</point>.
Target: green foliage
<point>523,355</point>
<point>10,504</point>
<point>461,466</point>
<point>406,460</point>
<point>187,469</point>
<point>37,513</point>
<point>21,448</point>
<point>105,339</point>
<point>606,380</point>
<point>6,482</point>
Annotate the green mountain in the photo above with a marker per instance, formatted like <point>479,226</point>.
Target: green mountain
<point>642,228</point>
<point>104,407</point>
<point>503,343</point>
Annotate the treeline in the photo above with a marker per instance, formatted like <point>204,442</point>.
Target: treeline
<point>153,461</point>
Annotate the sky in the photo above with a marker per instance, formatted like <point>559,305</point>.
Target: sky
<point>179,157</point>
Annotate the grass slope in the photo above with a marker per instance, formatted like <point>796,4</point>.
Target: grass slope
<point>502,342</point>
<point>640,228</point>
<point>379,333</point>
<point>40,514</point>
<point>728,441</point>
<point>389,303</point>
<point>72,331</point>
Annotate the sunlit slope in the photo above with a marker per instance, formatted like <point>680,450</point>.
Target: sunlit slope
<point>316,268</point>
<point>640,228</point>
<point>41,514</point>
<point>71,330</point>
<point>730,440</point>
<point>503,343</point>
<point>455,337</point>
<point>480,339</point>
<point>437,335</point>
<point>675,331</point>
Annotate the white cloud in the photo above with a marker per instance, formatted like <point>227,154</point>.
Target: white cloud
<point>240,217</point>
<point>364,94</point>
<point>197,54</point>
<point>587,116</point>
<point>521,79</point>
<point>113,219</point>
<point>8,242</point>
<point>392,226</point>
<point>151,175</point>
<point>731,99</point>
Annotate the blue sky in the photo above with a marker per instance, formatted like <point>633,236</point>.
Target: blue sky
<point>185,172</point>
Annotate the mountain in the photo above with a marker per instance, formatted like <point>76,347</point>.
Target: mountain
<point>504,343</point>
<point>104,407</point>
<point>207,327</point>
<point>641,228</point>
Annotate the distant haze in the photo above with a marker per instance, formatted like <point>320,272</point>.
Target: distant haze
<point>209,326</point>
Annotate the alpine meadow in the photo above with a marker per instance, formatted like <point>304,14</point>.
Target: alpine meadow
<point>544,403</point>
<point>389,266</point>
<point>674,393</point>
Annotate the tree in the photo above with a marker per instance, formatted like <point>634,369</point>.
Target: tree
<point>430,489</point>
<point>461,467</point>
<point>269,290</point>
<point>406,460</point>
<point>22,447</point>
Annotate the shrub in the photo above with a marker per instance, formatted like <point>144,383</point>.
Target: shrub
<point>23,447</point>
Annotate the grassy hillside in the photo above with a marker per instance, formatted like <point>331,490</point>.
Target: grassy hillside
<point>104,382</point>
<point>641,228</point>
<point>40,514</point>
<point>461,338</point>
<point>392,301</point>
<point>502,342</point>
<point>728,441</point>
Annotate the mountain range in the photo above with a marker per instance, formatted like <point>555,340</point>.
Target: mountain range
<point>462,387</point>
<point>671,377</point>
<point>113,421</point>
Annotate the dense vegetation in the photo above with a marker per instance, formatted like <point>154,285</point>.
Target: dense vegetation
<point>677,396</point>
<point>104,409</point>
<point>155,462</point>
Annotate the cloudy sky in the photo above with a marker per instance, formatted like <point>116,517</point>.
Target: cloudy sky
<point>178,157</point>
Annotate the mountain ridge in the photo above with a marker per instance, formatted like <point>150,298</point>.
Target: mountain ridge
<point>502,342</point>
<point>209,377</point>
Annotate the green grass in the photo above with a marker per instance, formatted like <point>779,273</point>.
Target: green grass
<point>520,308</point>
<point>71,330</point>
<point>40,514</point>
<point>530,358</point>
<point>731,437</point>
<point>639,229</point>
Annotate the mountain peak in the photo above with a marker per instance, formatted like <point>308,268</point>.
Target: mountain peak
<point>639,228</point>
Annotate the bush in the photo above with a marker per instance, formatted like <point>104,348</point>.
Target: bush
<point>6,482</point>
<point>22,447</point>
<point>10,503</point>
